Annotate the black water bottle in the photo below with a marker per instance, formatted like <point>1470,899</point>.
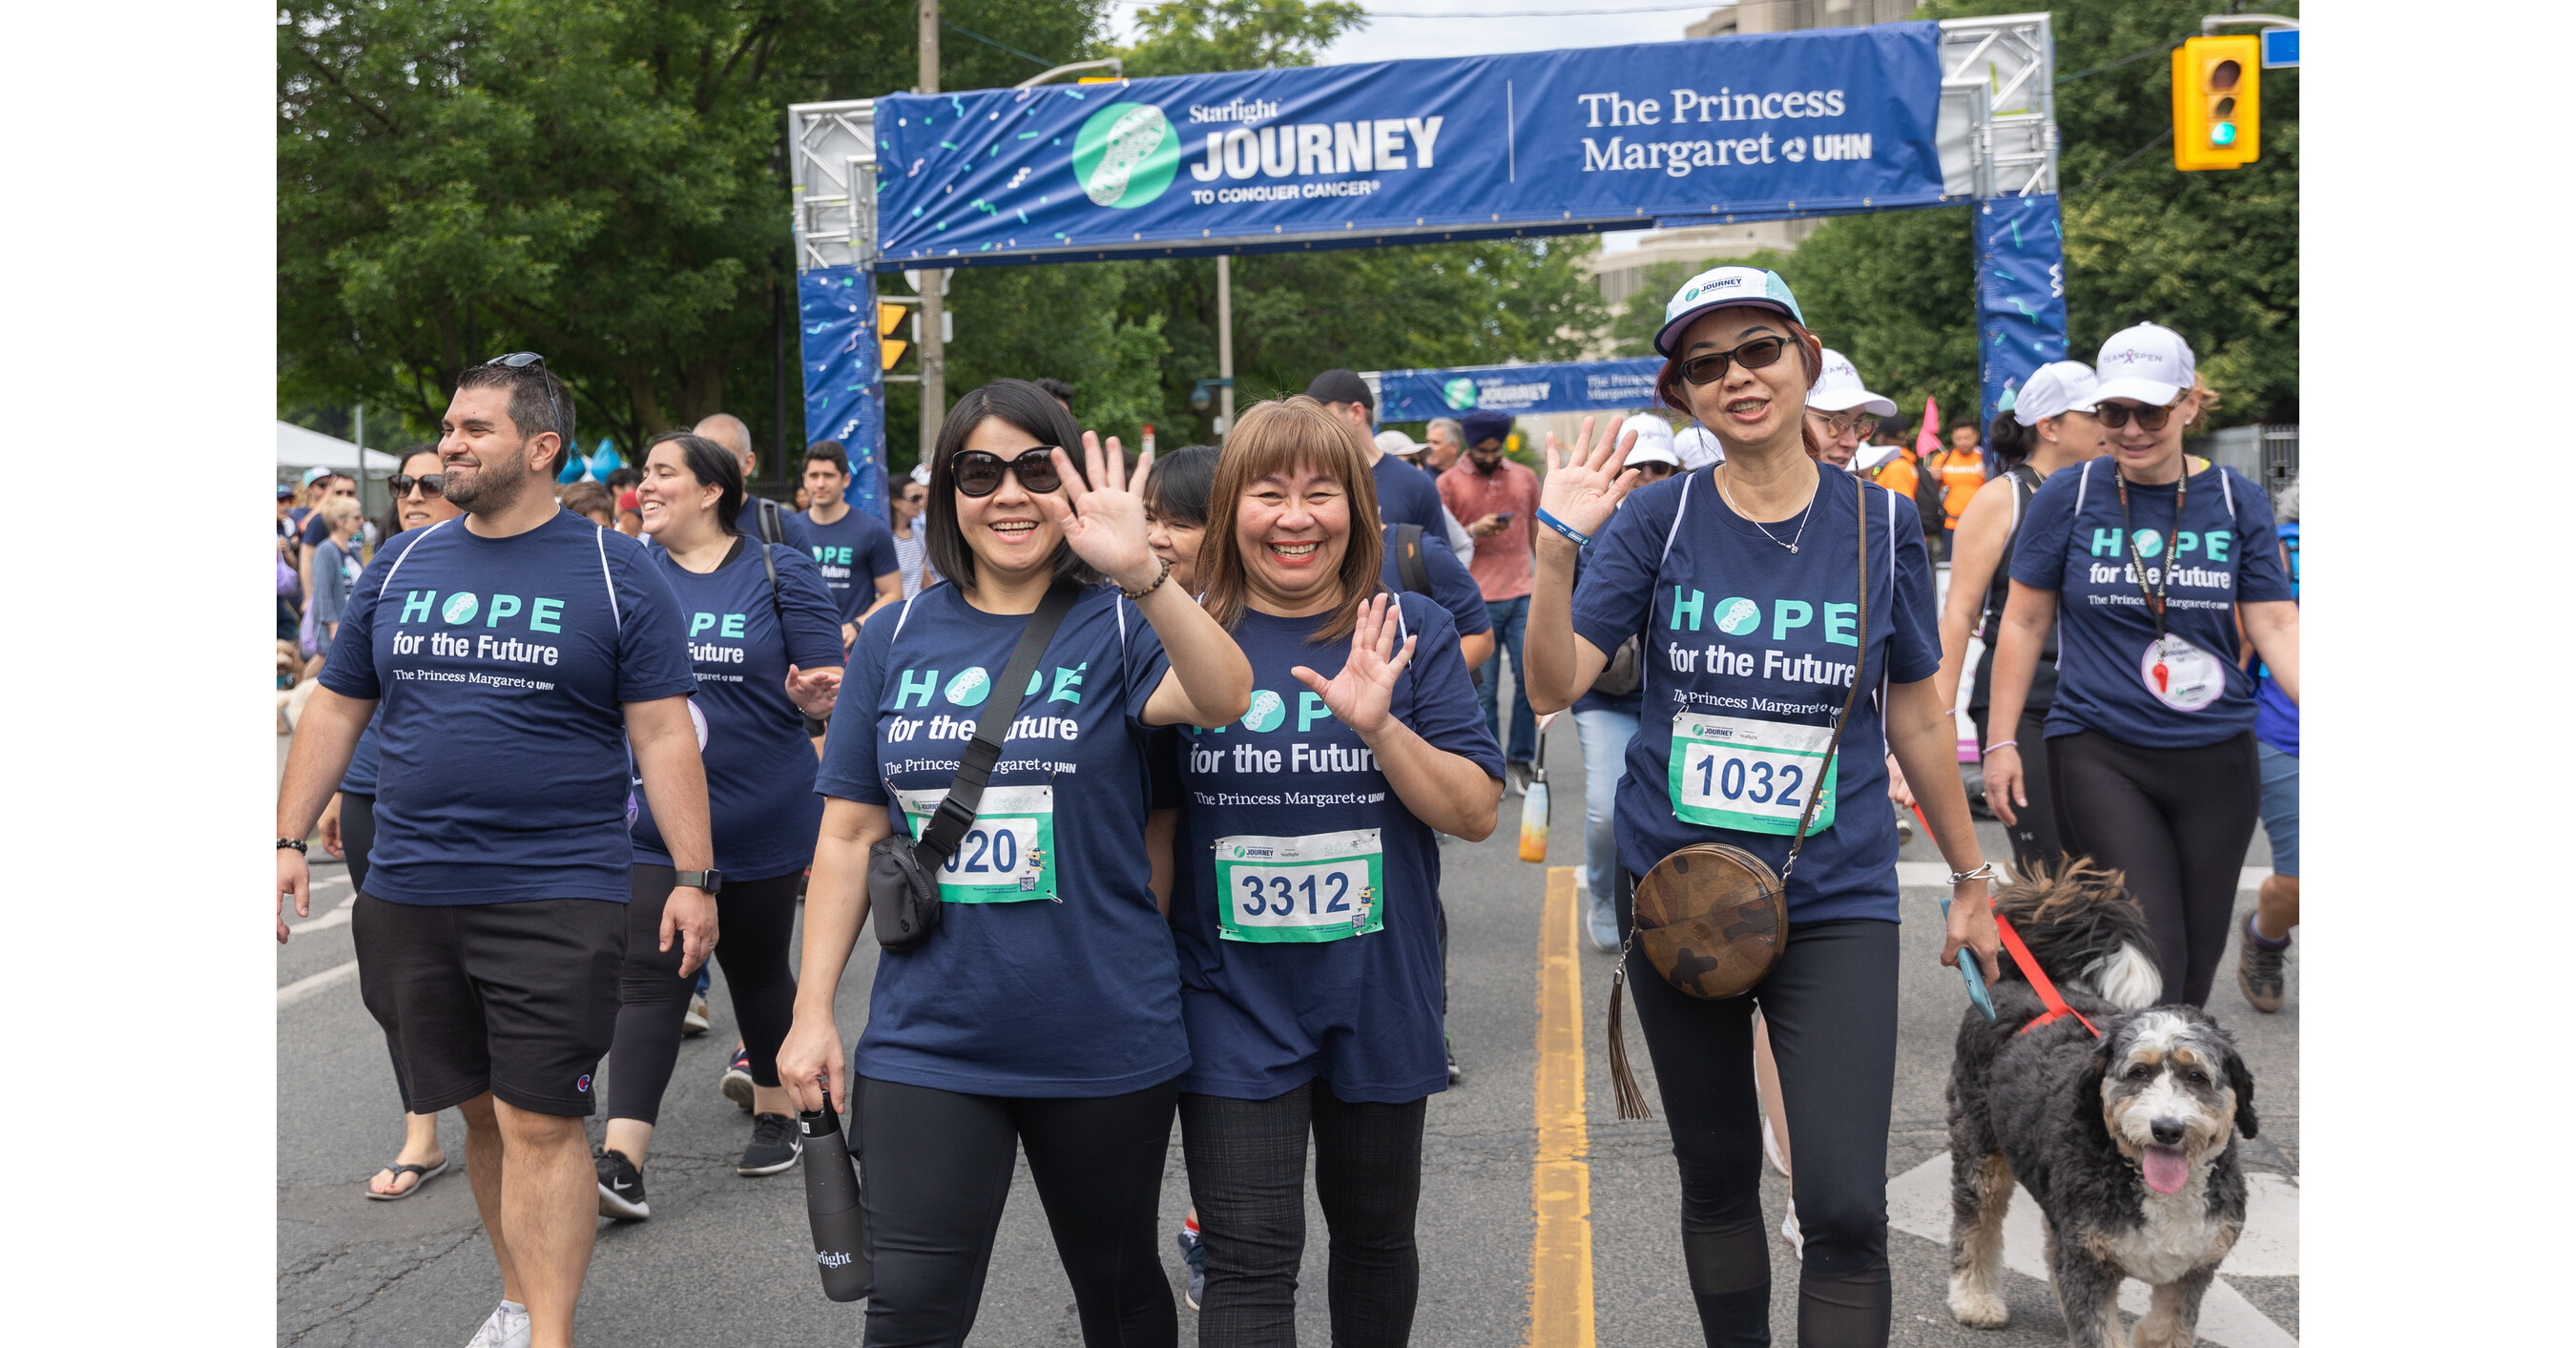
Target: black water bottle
<point>832,1202</point>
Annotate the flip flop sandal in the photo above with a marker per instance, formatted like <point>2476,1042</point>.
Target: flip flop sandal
<point>426,1173</point>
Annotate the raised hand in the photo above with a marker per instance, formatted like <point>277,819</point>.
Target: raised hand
<point>1585,486</point>
<point>1358,696</point>
<point>1105,521</point>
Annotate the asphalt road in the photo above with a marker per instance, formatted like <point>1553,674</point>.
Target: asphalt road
<point>725,1260</point>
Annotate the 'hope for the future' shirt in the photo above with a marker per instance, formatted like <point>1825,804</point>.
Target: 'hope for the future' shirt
<point>1308,913</point>
<point>503,666</point>
<point>1051,972</point>
<point>1749,652</point>
<point>852,551</point>
<point>760,767</point>
<point>2223,554</point>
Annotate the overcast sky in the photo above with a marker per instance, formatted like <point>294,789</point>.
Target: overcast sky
<point>1480,27</point>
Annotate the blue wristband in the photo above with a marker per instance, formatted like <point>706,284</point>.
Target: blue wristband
<point>1551,521</point>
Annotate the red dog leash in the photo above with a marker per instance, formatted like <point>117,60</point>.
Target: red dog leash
<point>2029,967</point>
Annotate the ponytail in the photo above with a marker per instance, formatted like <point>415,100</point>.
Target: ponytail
<point>2012,441</point>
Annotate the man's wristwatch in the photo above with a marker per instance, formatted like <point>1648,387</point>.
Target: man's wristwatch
<point>711,880</point>
<point>296,843</point>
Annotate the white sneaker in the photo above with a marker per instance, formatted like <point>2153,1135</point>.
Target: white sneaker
<point>507,1328</point>
<point>1789,1232</point>
<point>694,1021</point>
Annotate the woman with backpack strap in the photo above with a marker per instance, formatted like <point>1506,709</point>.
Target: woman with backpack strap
<point>1042,1011</point>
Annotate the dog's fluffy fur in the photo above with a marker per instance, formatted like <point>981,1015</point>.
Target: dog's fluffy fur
<point>2081,1122</point>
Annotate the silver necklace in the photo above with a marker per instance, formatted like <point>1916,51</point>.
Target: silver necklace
<point>1803,516</point>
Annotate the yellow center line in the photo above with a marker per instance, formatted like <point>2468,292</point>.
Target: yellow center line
<point>1560,1179</point>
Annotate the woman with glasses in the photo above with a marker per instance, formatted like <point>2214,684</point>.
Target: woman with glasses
<point>2141,565</point>
<point>1841,412</point>
<point>1042,1012</point>
<point>765,637</point>
<point>1757,633</point>
<point>908,539</point>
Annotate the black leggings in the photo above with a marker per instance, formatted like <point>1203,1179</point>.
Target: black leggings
<point>2034,836</point>
<point>2176,821</point>
<point>754,919</point>
<point>1247,1161</point>
<point>1830,1002</point>
<point>357,835</point>
<point>937,1166</point>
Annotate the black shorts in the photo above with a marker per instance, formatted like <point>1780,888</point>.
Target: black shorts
<point>519,999</point>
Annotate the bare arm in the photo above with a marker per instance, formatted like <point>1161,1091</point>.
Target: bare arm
<point>325,735</point>
<point>889,591</point>
<point>1209,683</point>
<point>2028,614</point>
<point>1582,490</point>
<point>675,785</point>
<point>2273,626</point>
<point>1476,650</point>
<point>1450,792</point>
<point>811,1062</point>
<point>1925,741</point>
<point>1976,550</point>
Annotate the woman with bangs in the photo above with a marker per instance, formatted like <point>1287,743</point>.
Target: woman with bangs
<point>1310,964</point>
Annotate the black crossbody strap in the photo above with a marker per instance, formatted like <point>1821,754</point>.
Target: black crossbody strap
<point>947,828</point>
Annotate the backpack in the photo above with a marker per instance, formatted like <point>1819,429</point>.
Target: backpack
<point>1409,566</point>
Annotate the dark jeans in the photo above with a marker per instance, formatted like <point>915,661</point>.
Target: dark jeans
<point>2176,822</point>
<point>937,1168</point>
<point>1247,1161</point>
<point>1511,619</point>
<point>1830,1002</point>
<point>754,918</point>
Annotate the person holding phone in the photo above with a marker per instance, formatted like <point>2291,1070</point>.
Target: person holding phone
<point>1495,496</point>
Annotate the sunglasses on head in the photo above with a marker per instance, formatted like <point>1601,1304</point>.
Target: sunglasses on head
<point>2116,415</point>
<point>520,360</point>
<point>1844,423</point>
<point>430,484</point>
<point>1709,367</point>
<point>979,474</point>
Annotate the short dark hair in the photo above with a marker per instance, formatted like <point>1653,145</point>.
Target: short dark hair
<point>1059,390</point>
<point>1179,486</point>
<point>712,465</point>
<point>539,402</point>
<point>621,479</point>
<point>583,497</point>
<point>1029,408</point>
<point>831,452</point>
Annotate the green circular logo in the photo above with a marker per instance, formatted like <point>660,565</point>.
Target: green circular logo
<point>1460,394</point>
<point>459,607</point>
<point>1267,711</point>
<point>1125,155</point>
<point>970,688</point>
<point>2150,543</point>
<point>1735,617</point>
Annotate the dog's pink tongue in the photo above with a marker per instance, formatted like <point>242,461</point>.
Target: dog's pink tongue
<point>2166,1169</point>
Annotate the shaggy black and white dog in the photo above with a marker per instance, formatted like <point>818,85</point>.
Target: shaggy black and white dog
<point>2127,1141</point>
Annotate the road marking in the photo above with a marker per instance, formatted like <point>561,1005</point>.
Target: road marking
<point>1918,1202</point>
<point>1560,1178</point>
<point>1938,873</point>
<point>337,917</point>
<point>305,987</point>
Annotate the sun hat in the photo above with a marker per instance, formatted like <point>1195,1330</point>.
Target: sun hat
<point>1398,444</point>
<point>1839,389</point>
<point>1698,448</point>
<point>1724,288</point>
<point>2054,389</point>
<point>1654,440</point>
<point>2147,363</point>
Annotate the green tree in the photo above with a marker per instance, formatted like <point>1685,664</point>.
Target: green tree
<point>1184,37</point>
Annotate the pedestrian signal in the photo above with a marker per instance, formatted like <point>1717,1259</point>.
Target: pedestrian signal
<point>2217,103</point>
<point>889,347</point>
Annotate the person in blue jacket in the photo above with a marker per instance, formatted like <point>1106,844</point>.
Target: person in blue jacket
<point>2266,947</point>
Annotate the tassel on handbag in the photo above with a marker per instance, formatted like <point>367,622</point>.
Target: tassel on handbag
<point>1623,1080</point>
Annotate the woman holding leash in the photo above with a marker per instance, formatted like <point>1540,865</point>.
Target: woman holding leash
<point>1037,1007</point>
<point>2141,563</point>
<point>1787,617</point>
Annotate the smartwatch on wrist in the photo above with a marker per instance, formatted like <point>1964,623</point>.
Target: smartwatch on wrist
<point>711,880</point>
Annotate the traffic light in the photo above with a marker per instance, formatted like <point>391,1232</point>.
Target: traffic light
<point>2217,102</point>
<point>890,348</point>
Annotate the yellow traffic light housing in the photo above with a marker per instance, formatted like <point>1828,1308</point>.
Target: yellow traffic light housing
<point>2217,103</point>
<point>890,349</point>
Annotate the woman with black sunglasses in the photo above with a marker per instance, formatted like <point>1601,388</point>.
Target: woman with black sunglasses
<point>1043,1012</point>
<point>1758,633</point>
<point>2142,563</point>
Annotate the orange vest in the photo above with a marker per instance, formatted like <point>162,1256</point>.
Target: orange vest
<point>1898,474</point>
<point>1961,472</point>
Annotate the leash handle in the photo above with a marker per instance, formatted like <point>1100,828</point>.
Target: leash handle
<point>1977,993</point>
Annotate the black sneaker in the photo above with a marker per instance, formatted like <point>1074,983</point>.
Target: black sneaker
<point>621,1187</point>
<point>736,1083</point>
<point>2259,971</point>
<point>1193,1258</point>
<point>775,1145</point>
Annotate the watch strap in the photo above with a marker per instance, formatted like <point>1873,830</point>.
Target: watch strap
<point>709,880</point>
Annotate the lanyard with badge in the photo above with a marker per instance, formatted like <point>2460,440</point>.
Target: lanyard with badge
<point>2180,674</point>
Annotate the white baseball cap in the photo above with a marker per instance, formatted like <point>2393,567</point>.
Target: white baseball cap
<point>2055,388</point>
<point>1654,441</point>
<point>921,473</point>
<point>1698,448</point>
<point>1839,389</point>
<point>2147,363</point>
<point>1724,288</point>
<point>1872,457</point>
<point>1398,444</point>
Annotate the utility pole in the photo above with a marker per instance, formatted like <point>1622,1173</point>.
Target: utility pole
<point>927,325</point>
<point>1224,346</point>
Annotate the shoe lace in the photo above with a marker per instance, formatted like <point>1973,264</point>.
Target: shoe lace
<point>2264,962</point>
<point>770,1130</point>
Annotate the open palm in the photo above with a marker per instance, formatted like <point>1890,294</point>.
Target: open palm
<point>1359,696</point>
<point>1105,520</point>
<point>1587,485</point>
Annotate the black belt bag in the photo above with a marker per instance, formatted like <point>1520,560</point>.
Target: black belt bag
<point>902,888</point>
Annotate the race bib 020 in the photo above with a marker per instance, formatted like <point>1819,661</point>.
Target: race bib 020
<point>1753,776</point>
<point>1009,854</point>
<point>1322,887</point>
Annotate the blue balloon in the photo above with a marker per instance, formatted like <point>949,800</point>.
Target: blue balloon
<point>572,469</point>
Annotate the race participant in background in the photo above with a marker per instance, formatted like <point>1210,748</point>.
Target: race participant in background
<point>2143,567</point>
<point>335,567</point>
<point>310,489</point>
<point>590,501</point>
<point>847,544</point>
<point>1444,439</point>
<point>1044,1009</point>
<point>1842,412</point>
<point>912,494</point>
<point>764,636</point>
<point>1310,972</point>
<point>1498,497</point>
<point>2276,744</point>
<point>1059,390</point>
<point>1960,470</point>
<point>1885,446</point>
<point>1403,498</point>
<point>1697,449</point>
<point>1737,576</point>
<point>1604,722</point>
<point>727,430</point>
<point>2051,426</point>
<point>511,650</point>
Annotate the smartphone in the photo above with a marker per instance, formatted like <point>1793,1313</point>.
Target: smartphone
<point>1503,518</point>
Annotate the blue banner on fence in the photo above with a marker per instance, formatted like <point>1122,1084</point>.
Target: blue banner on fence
<point>836,315</point>
<point>1579,386</point>
<point>1782,124</point>
<point>2021,294</point>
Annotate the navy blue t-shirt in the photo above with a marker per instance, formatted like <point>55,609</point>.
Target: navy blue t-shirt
<point>1627,702</point>
<point>2222,554</point>
<point>760,767</point>
<point>2276,717</point>
<point>1405,495</point>
<point>1749,653</point>
<point>852,551</point>
<point>502,667</point>
<point>1453,586</point>
<point>1290,829</point>
<point>360,778</point>
<point>1051,972</point>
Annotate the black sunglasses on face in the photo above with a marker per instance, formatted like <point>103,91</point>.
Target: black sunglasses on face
<point>1710,367</point>
<point>2116,415</point>
<point>430,484</point>
<point>979,474</point>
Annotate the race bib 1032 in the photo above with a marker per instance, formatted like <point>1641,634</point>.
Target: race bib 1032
<point>1753,776</point>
